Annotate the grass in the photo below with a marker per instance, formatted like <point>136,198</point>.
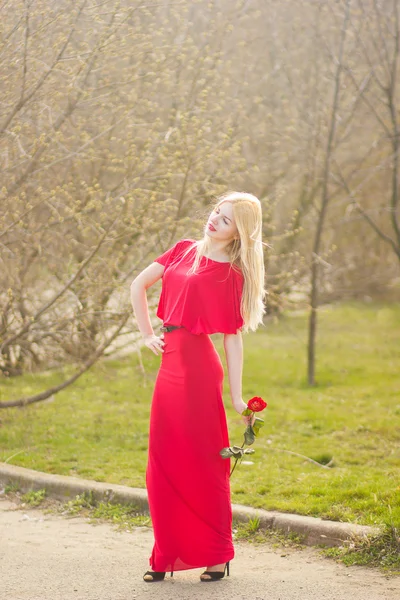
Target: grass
<point>382,550</point>
<point>124,517</point>
<point>128,517</point>
<point>98,428</point>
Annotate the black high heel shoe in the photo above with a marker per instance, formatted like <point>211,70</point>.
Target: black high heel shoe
<point>156,576</point>
<point>215,575</point>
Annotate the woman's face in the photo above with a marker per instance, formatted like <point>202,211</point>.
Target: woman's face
<point>221,224</point>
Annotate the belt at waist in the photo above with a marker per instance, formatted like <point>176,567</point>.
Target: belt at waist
<point>170,327</point>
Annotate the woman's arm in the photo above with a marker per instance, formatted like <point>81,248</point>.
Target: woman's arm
<point>139,285</point>
<point>233,346</point>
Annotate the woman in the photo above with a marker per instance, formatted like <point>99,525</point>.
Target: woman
<point>209,286</point>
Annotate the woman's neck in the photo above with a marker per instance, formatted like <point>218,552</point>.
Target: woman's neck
<point>217,252</point>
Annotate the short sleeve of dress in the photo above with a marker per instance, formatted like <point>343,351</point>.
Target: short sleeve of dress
<point>168,255</point>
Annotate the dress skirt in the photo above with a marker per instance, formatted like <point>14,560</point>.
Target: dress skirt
<point>187,480</point>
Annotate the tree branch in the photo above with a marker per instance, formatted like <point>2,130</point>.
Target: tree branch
<point>57,388</point>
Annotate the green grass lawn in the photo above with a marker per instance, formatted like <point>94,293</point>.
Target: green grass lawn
<point>98,428</point>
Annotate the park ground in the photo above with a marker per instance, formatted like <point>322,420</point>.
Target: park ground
<point>51,555</point>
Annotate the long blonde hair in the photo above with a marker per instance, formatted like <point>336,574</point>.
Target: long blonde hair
<point>245,253</point>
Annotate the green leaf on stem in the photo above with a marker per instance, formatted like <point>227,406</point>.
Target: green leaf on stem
<point>225,452</point>
<point>247,412</point>
<point>234,451</point>
<point>237,451</point>
<point>258,423</point>
<point>249,435</point>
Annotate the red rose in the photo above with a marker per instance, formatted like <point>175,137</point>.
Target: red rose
<point>256,404</point>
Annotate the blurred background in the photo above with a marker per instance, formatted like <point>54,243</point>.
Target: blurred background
<point>121,121</point>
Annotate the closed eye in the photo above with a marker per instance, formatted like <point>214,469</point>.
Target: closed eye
<point>225,221</point>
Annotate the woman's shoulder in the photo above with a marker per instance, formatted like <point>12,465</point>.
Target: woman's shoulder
<point>187,241</point>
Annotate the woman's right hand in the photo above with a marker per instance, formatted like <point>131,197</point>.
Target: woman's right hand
<point>155,343</point>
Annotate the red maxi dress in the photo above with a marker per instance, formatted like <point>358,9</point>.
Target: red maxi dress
<point>187,480</point>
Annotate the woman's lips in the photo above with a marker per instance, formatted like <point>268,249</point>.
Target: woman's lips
<point>210,226</point>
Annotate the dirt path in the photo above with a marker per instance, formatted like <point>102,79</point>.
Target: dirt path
<point>51,557</point>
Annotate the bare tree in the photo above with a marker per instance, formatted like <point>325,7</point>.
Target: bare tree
<point>102,167</point>
<point>380,43</point>
<point>325,197</point>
